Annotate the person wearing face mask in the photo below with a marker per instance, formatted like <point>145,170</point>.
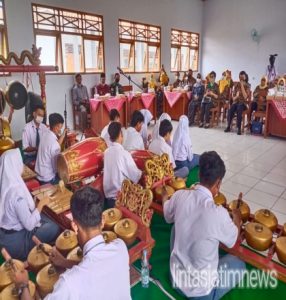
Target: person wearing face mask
<point>32,134</point>
<point>196,99</point>
<point>102,264</point>
<point>178,81</point>
<point>102,88</point>
<point>210,100</point>
<point>241,97</point>
<point>49,149</point>
<point>116,87</point>
<point>195,214</point>
<point>191,79</point>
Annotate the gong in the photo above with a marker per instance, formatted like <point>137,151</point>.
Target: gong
<point>16,95</point>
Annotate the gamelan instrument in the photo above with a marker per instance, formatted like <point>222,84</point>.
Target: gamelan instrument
<point>284,230</point>
<point>109,236</point>
<point>16,95</point>
<point>280,248</point>
<point>2,102</point>
<point>140,156</point>
<point>177,183</point>
<point>220,199</point>
<point>6,142</point>
<point>159,190</point>
<point>267,218</point>
<point>33,101</point>
<point>7,268</point>
<point>46,279</point>
<point>76,254</point>
<point>126,230</point>
<point>66,241</point>
<point>39,255</point>
<point>111,217</point>
<point>28,174</point>
<point>12,293</point>
<point>81,160</point>
<point>243,207</point>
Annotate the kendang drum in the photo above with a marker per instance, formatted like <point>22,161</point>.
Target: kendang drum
<point>11,292</point>
<point>16,94</point>
<point>82,160</point>
<point>140,156</point>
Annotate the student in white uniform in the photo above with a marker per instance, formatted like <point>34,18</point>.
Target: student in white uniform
<point>161,145</point>
<point>20,217</point>
<point>49,149</point>
<point>155,133</point>
<point>199,227</point>
<point>118,165</point>
<point>114,116</point>
<point>144,130</point>
<point>182,146</point>
<point>32,134</point>
<point>134,140</point>
<point>103,272</point>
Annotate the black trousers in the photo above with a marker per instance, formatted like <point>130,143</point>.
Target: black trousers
<point>205,111</point>
<point>237,108</point>
<point>193,107</point>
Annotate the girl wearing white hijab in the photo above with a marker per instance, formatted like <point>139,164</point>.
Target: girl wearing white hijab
<point>20,219</point>
<point>147,119</point>
<point>155,133</point>
<point>182,146</point>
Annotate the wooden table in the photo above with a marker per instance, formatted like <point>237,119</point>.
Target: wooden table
<point>179,104</point>
<point>275,122</point>
<point>137,103</point>
<point>100,113</point>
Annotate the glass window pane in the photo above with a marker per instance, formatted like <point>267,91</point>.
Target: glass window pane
<point>140,57</point>
<point>126,57</point>
<point>72,53</point>
<point>154,58</point>
<point>194,59</point>
<point>185,58</point>
<point>48,45</point>
<point>93,55</point>
<point>175,52</point>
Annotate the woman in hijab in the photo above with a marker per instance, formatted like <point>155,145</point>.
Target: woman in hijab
<point>182,146</point>
<point>144,130</point>
<point>20,218</point>
<point>155,133</point>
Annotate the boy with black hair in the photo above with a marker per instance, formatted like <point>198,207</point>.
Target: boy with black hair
<point>32,134</point>
<point>102,262</point>
<point>199,227</point>
<point>134,140</point>
<point>162,145</point>
<point>118,165</point>
<point>102,88</point>
<point>49,149</point>
<point>114,116</point>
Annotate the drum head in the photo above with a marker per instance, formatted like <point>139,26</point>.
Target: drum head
<point>16,95</point>
<point>2,102</point>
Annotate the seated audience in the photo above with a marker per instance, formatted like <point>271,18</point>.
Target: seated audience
<point>114,116</point>
<point>210,100</point>
<point>199,227</point>
<point>145,85</point>
<point>178,81</point>
<point>182,146</point>
<point>116,88</point>
<point>133,139</point>
<point>118,165</point>
<point>144,131</point>
<point>161,145</point>
<point>241,96</point>
<point>20,218</point>
<point>102,88</point>
<point>102,262</point>
<point>225,85</point>
<point>279,89</point>
<point>49,149</point>
<point>196,99</point>
<point>191,79</point>
<point>32,134</point>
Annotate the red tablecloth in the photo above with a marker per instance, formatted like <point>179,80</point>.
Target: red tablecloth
<point>94,103</point>
<point>280,107</point>
<point>172,97</point>
<point>147,99</point>
<point>110,103</point>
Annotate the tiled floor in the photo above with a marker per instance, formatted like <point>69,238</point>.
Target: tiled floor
<point>255,166</point>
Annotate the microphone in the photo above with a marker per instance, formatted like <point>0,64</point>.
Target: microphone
<point>120,70</point>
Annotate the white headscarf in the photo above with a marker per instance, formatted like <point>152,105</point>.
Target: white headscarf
<point>155,133</point>
<point>147,119</point>
<point>12,185</point>
<point>181,135</point>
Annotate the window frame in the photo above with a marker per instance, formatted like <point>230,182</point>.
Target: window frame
<point>58,34</point>
<point>4,33</point>
<point>132,42</point>
<point>180,45</point>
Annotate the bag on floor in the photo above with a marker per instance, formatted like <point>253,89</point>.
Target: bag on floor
<point>256,127</point>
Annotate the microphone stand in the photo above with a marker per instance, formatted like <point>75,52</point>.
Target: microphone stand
<point>129,78</point>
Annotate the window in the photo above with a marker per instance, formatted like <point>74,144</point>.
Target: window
<point>69,39</point>
<point>3,31</point>
<point>139,47</point>
<point>184,50</point>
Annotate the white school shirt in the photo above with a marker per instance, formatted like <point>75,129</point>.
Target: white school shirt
<point>46,163</point>
<point>118,165</point>
<point>104,130</point>
<point>184,152</point>
<point>102,274</point>
<point>159,146</point>
<point>29,135</point>
<point>133,140</point>
<point>200,226</point>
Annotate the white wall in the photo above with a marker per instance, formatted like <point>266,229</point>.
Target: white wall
<point>226,36</point>
<point>180,14</point>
